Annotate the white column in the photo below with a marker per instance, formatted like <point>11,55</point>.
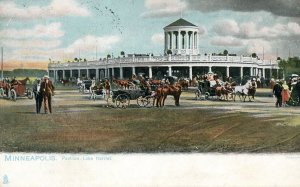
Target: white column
<point>166,41</point>
<point>121,73</point>
<point>209,68</point>
<point>251,71</point>
<point>79,73</point>
<point>97,73</point>
<point>71,73</point>
<point>64,74</point>
<point>179,40</point>
<point>195,40</point>
<point>191,72</point>
<point>192,41</point>
<point>271,73</point>
<point>108,74</point>
<point>171,45</point>
<point>241,72</point>
<point>113,72</point>
<point>170,70</point>
<point>133,70</point>
<point>87,73</point>
<point>150,72</point>
<point>227,71</point>
<point>263,73</point>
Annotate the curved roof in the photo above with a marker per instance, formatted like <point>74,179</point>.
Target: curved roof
<point>181,22</point>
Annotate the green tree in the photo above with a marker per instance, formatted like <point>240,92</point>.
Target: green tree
<point>122,53</point>
<point>254,55</point>
<point>169,52</point>
<point>108,56</point>
<point>225,52</point>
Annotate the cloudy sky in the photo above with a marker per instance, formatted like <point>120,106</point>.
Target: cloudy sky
<point>34,31</point>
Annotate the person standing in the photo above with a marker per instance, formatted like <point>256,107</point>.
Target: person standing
<point>38,96</point>
<point>47,90</point>
<point>297,89</point>
<point>285,93</point>
<point>277,89</point>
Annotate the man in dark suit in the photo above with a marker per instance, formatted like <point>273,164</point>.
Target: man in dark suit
<point>38,96</point>
<point>277,89</point>
<point>47,90</point>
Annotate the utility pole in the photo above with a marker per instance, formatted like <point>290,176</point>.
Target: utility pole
<point>1,63</point>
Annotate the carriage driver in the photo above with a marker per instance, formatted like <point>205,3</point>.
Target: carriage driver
<point>47,90</point>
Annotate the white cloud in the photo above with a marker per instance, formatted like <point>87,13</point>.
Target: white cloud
<point>34,49</point>
<point>227,41</point>
<point>226,27</point>
<point>258,46</point>
<point>161,8</point>
<point>158,38</point>
<point>57,8</point>
<point>89,43</point>
<point>52,30</point>
<point>253,30</point>
<point>31,43</point>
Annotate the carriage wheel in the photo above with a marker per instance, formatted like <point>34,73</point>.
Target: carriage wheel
<point>29,94</point>
<point>142,101</point>
<point>207,94</point>
<point>13,95</point>
<point>150,100</point>
<point>1,92</point>
<point>122,101</point>
<point>198,94</point>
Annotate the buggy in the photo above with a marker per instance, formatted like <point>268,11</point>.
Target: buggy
<point>86,86</point>
<point>205,90</point>
<point>121,98</point>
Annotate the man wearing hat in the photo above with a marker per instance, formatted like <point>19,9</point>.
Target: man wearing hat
<point>37,95</point>
<point>47,91</point>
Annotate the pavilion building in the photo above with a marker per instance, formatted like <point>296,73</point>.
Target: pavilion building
<point>181,59</point>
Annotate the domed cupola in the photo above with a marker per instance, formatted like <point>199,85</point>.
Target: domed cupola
<point>181,37</point>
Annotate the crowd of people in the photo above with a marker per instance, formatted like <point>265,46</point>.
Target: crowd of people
<point>283,91</point>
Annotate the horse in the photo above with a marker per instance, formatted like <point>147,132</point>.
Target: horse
<point>65,82</point>
<point>166,90</point>
<point>184,83</point>
<point>123,84</point>
<point>242,90</point>
<point>24,81</point>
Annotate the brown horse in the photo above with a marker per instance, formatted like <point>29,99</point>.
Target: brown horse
<point>124,84</point>
<point>163,92</point>
<point>24,81</point>
<point>184,83</point>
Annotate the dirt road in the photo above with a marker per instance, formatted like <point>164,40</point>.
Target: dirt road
<point>79,124</point>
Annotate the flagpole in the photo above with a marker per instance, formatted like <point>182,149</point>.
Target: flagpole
<point>1,63</point>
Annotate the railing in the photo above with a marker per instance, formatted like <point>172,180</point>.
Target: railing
<point>172,58</point>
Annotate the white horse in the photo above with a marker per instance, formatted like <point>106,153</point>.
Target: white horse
<point>241,90</point>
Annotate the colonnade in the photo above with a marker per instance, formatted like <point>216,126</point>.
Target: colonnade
<point>118,72</point>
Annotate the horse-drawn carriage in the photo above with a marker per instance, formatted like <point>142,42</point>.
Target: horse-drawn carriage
<point>121,98</point>
<point>205,89</point>
<point>86,85</point>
